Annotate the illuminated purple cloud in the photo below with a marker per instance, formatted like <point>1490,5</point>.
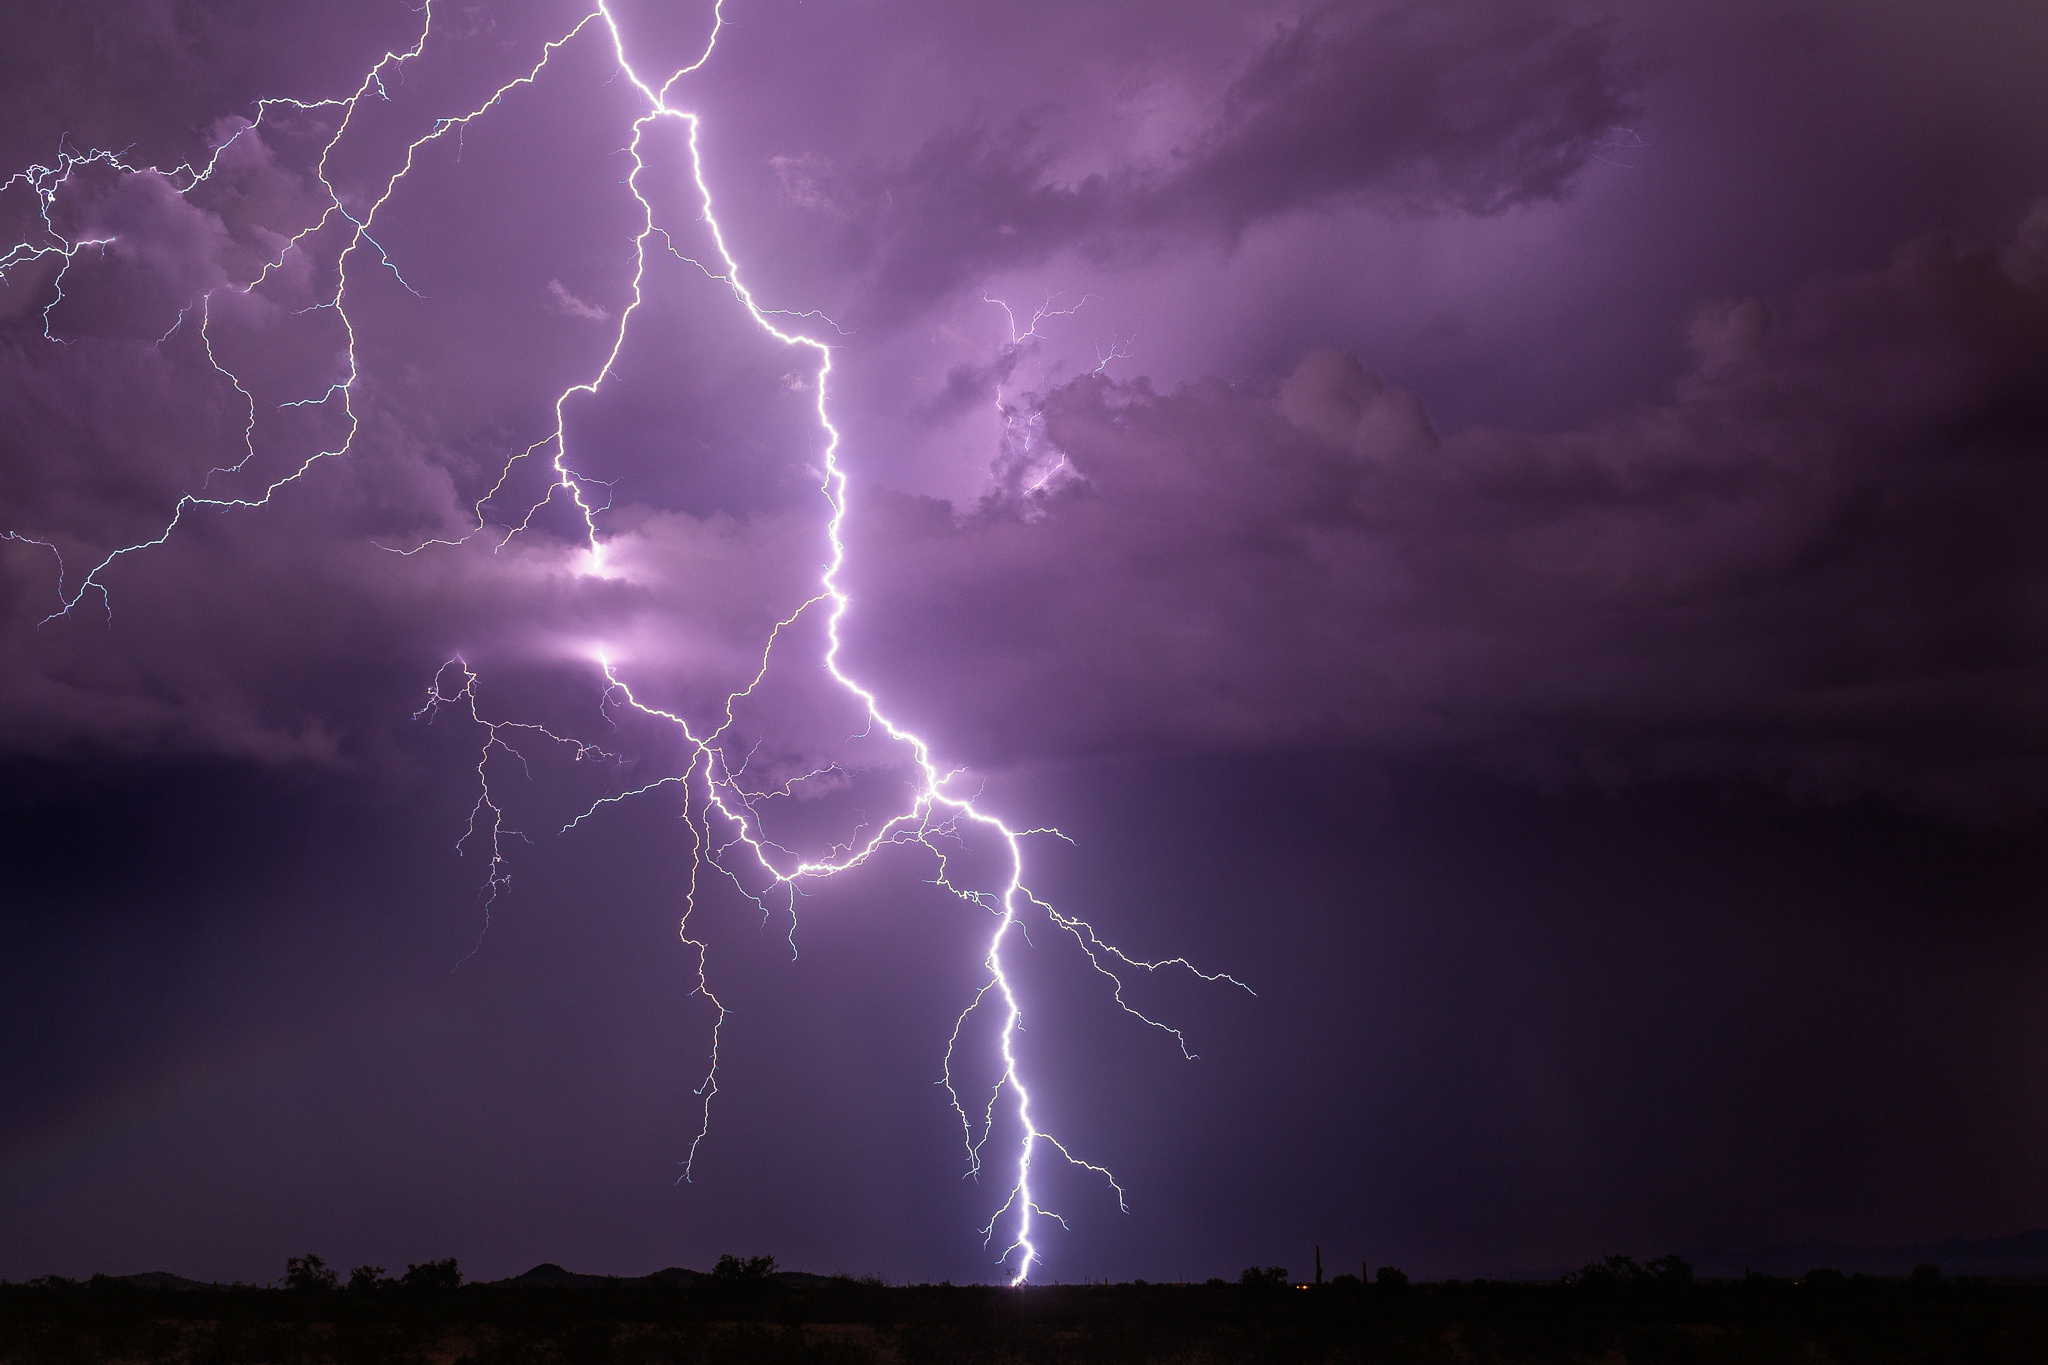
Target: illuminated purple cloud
<point>1756,577</point>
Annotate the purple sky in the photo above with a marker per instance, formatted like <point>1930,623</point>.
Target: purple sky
<point>1516,531</point>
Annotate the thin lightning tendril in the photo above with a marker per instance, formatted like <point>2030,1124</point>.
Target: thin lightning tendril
<point>1023,433</point>
<point>725,818</point>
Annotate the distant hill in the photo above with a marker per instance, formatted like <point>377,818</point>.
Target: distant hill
<point>162,1279</point>
<point>548,1275</point>
<point>802,1279</point>
<point>2021,1256</point>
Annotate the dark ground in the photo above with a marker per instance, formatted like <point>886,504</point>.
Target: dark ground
<point>1615,1312</point>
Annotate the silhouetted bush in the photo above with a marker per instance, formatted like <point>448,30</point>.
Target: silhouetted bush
<point>1666,1274</point>
<point>1670,1271</point>
<point>308,1272</point>
<point>753,1270</point>
<point>432,1277</point>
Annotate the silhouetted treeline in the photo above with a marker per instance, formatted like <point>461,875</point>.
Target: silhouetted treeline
<point>745,1311</point>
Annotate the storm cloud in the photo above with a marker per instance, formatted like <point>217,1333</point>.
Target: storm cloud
<point>1816,563</point>
<point>1409,107</point>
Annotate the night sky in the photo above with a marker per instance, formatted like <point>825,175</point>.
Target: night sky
<point>1519,531</point>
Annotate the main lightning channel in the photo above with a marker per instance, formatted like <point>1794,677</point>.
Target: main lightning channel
<point>933,806</point>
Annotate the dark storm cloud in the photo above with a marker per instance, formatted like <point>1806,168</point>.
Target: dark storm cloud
<point>1473,108</point>
<point>1816,563</point>
<point>152,76</point>
<point>1417,108</point>
<point>1819,563</point>
<point>267,636</point>
<point>291,632</point>
<point>970,386</point>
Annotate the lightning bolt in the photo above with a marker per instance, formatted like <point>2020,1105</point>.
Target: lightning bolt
<point>725,814</point>
<point>1022,467</point>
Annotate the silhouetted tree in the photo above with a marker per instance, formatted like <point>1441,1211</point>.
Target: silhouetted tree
<point>366,1277</point>
<point>1271,1277</point>
<point>1670,1270</point>
<point>308,1272</point>
<point>1387,1277</point>
<point>752,1270</point>
<point>1622,1272</point>
<point>1615,1272</point>
<point>433,1276</point>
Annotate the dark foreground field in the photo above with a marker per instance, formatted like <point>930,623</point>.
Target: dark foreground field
<point>680,1317</point>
